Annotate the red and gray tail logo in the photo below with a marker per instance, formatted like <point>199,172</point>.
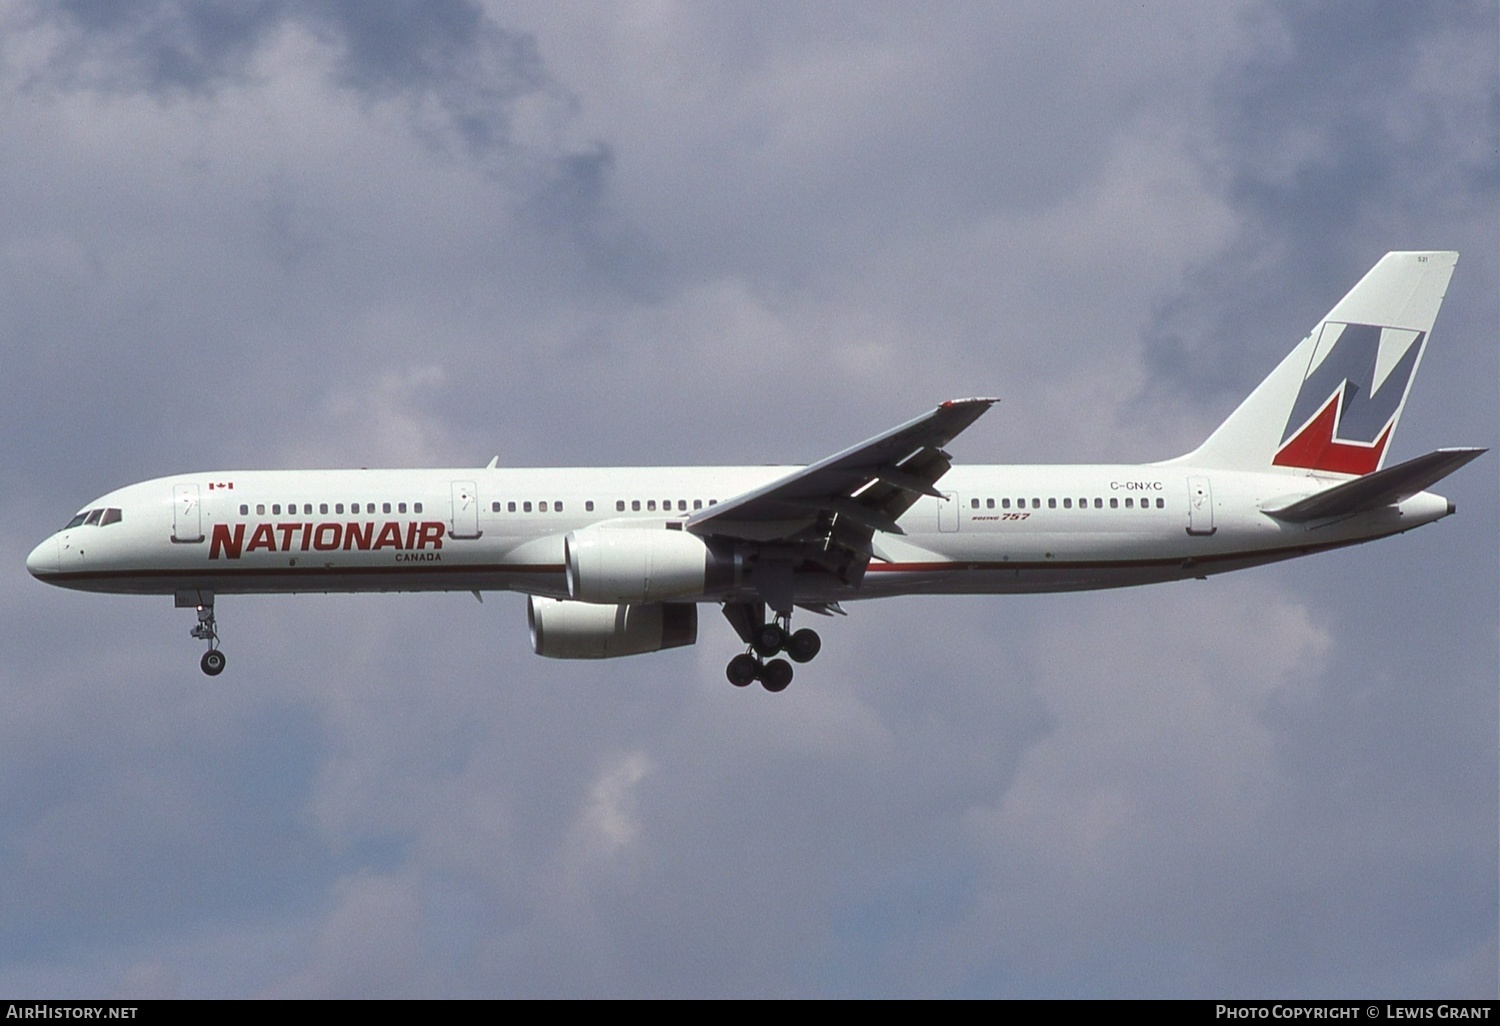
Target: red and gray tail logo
<point>1343,419</point>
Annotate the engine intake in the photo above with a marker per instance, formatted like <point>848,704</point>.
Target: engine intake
<point>583,630</point>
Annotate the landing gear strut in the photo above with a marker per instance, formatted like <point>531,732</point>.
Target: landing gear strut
<point>207,629</point>
<point>767,639</point>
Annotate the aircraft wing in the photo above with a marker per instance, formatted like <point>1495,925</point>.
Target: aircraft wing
<point>1382,488</point>
<point>851,494</point>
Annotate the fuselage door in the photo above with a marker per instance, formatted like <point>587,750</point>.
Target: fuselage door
<point>465,522</point>
<point>187,514</point>
<point>948,512</point>
<point>1200,507</point>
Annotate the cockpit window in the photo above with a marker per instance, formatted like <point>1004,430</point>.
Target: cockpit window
<point>95,518</point>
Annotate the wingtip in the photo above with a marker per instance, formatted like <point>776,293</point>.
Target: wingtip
<point>985,400</point>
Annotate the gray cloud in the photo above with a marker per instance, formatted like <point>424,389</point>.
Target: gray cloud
<point>1333,132</point>
<point>156,45</point>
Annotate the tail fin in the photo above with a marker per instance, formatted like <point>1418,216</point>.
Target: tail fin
<point>1333,403</point>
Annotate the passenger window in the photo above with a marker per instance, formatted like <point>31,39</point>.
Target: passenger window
<point>1129,502</point>
<point>682,505</point>
<point>260,509</point>
<point>401,507</point>
<point>276,509</point>
<point>557,507</point>
<point>244,510</point>
<point>385,507</point>
<point>973,503</point>
<point>1161,503</point>
<point>619,505</point>
<point>697,503</point>
<point>323,508</point>
<point>338,507</point>
<point>1098,503</point>
<point>1036,503</point>
<point>1067,503</point>
<point>526,507</point>
<point>510,507</point>
<point>1114,503</point>
<point>635,505</point>
<point>1005,504</point>
<point>542,506</point>
<point>589,506</point>
<point>1051,503</point>
<point>989,503</point>
<point>651,505</point>
<point>416,507</point>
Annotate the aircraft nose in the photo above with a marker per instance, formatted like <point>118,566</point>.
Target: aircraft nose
<point>43,559</point>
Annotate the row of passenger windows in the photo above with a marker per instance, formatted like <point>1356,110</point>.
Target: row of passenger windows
<point>112,516</point>
<point>541,507</point>
<point>1067,503</point>
<point>95,518</point>
<point>666,505</point>
<point>635,506</point>
<point>355,508</point>
<point>324,508</point>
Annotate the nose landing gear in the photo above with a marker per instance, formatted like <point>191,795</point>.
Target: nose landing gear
<point>206,629</point>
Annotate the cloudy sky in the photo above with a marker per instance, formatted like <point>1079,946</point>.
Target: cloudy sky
<point>319,234</point>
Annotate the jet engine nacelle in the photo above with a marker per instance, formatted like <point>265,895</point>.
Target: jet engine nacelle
<point>584,630</point>
<point>636,564</point>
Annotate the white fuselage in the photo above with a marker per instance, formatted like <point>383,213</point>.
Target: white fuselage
<point>998,529</point>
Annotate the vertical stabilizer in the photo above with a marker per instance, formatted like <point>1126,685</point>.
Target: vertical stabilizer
<point>1333,403</point>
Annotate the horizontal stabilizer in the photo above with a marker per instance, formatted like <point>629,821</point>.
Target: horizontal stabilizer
<point>1382,488</point>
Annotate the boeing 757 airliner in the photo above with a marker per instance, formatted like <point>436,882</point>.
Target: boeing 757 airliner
<point>617,561</point>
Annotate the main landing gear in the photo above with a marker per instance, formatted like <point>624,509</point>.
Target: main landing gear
<point>767,640</point>
<point>207,629</point>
